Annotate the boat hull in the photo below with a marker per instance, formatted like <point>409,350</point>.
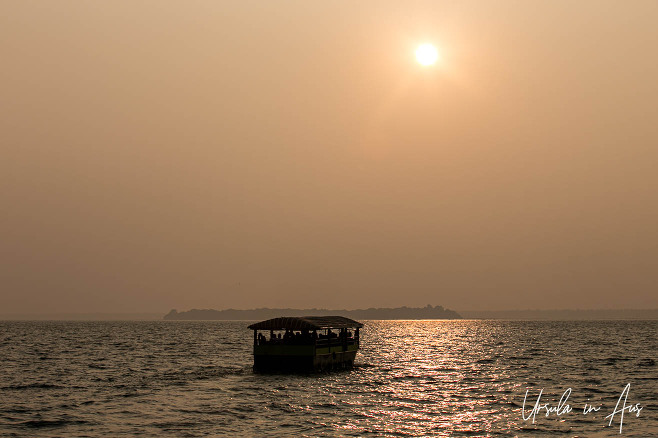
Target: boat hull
<point>303,358</point>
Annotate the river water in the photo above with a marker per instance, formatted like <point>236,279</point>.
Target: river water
<point>413,378</point>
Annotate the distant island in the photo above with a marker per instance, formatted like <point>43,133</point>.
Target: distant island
<point>563,314</point>
<point>428,312</point>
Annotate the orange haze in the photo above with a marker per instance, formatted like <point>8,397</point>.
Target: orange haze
<point>171,154</point>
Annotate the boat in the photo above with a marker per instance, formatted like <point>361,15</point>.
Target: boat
<point>305,344</point>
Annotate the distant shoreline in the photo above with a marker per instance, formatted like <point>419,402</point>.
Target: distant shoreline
<point>526,314</point>
<point>563,314</point>
<point>428,312</point>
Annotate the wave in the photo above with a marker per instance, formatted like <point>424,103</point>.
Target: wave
<point>31,386</point>
<point>40,424</point>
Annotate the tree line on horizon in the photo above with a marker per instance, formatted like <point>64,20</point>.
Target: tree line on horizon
<point>427,312</point>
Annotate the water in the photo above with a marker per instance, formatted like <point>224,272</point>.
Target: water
<point>414,378</point>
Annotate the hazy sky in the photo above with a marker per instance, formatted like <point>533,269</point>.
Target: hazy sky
<point>180,154</point>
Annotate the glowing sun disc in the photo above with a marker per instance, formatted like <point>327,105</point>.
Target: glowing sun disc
<point>427,54</point>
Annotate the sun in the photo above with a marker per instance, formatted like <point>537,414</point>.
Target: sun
<point>427,54</point>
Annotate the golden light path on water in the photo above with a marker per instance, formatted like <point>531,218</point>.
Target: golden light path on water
<point>413,378</point>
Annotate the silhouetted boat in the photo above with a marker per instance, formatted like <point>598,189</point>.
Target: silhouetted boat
<point>308,343</point>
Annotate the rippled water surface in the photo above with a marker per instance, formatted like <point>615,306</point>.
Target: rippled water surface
<point>413,378</point>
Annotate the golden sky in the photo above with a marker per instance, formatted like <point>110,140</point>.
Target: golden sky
<point>175,154</point>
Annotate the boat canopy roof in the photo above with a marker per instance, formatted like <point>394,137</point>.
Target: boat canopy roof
<point>306,323</point>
